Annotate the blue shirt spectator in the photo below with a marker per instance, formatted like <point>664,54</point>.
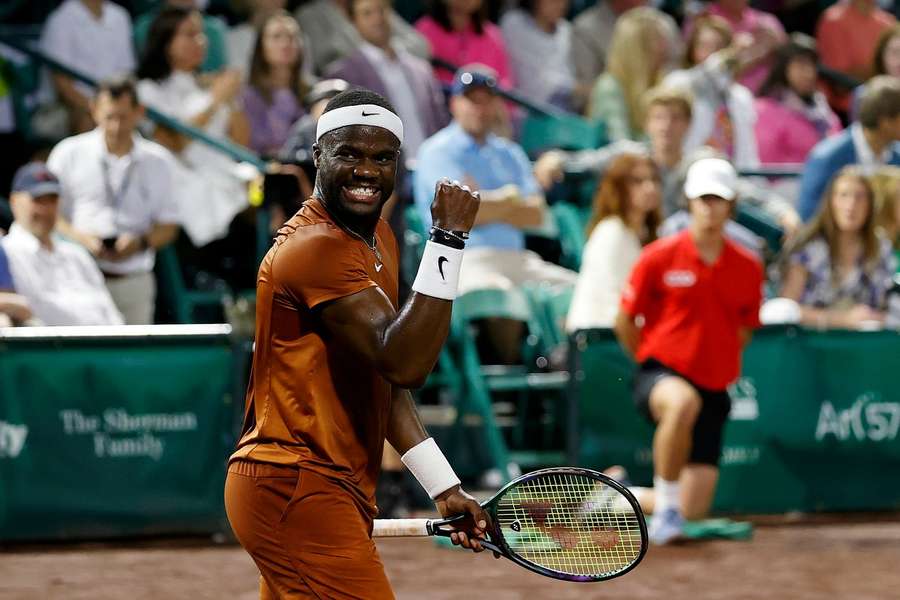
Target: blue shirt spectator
<point>6,280</point>
<point>454,154</point>
<point>871,142</point>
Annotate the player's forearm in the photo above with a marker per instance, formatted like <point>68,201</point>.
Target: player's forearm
<point>405,429</point>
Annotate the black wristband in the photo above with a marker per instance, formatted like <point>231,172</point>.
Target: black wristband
<point>447,238</point>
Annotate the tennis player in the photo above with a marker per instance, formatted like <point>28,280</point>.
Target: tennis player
<point>698,296</point>
<point>334,359</point>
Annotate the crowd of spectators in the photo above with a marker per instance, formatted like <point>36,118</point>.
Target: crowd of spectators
<point>718,79</point>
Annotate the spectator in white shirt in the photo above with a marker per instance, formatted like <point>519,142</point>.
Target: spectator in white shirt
<point>59,278</point>
<point>625,217</point>
<point>118,198</point>
<point>92,37</point>
<point>210,187</point>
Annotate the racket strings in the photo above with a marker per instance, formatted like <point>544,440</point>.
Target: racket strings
<point>571,524</point>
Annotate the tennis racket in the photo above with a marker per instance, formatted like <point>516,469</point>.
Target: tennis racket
<point>566,523</point>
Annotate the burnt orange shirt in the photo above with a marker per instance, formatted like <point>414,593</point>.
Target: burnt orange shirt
<point>312,404</point>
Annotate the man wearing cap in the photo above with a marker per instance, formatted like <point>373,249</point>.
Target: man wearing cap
<point>511,199</point>
<point>118,197</point>
<point>698,295</point>
<point>59,279</point>
<point>335,357</point>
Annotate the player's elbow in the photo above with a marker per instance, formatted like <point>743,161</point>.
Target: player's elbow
<point>406,376</point>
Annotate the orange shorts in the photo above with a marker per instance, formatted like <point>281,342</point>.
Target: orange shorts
<point>305,533</point>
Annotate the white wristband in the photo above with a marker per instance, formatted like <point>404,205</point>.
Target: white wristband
<point>439,271</point>
<point>430,468</point>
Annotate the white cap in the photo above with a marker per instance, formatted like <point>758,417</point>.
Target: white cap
<point>711,176</point>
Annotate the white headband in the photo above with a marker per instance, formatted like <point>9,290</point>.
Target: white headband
<point>361,114</point>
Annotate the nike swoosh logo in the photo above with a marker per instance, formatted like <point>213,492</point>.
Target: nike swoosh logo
<point>365,114</point>
<point>378,268</point>
<point>441,261</point>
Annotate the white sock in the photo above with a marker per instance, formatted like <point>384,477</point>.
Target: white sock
<point>668,494</point>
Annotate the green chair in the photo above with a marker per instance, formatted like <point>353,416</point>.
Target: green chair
<point>483,381</point>
<point>568,132</point>
<point>571,222</point>
<point>184,301</point>
<point>551,304</point>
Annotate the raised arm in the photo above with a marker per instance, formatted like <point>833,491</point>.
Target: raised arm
<point>403,346</point>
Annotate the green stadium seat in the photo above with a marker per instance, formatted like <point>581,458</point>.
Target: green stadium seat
<point>482,381</point>
<point>568,132</point>
<point>183,301</point>
<point>571,222</point>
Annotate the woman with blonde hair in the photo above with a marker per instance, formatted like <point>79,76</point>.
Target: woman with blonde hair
<point>636,61</point>
<point>840,269</point>
<point>625,217</point>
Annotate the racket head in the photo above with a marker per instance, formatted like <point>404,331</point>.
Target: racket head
<point>569,523</point>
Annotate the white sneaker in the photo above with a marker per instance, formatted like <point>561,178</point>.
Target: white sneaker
<point>665,527</point>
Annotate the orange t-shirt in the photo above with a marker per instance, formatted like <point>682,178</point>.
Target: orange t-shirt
<point>311,403</point>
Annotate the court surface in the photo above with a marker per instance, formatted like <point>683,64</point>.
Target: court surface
<point>836,559</point>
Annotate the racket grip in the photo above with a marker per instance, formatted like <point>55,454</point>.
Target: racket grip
<point>400,528</point>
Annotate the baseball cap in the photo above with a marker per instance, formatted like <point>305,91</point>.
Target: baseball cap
<point>35,179</point>
<point>711,176</point>
<point>474,75</point>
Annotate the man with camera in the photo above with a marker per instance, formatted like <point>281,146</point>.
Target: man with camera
<point>117,198</point>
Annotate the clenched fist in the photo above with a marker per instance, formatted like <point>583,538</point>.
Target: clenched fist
<point>454,207</point>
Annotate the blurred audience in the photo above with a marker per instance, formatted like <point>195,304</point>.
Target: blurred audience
<point>332,36</point>
<point>209,189</point>
<point>667,121</point>
<point>847,34</point>
<point>459,33</point>
<point>539,42</point>
<point>870,142</point>
<point>886,62</point>
<point>59,279</point>
<point>118,198</point>
<point>792,114</point>
<point>625,216</point>
<point>297,148</point>
<point>759,29</point>
<point>242,36</point>
<point>724,115</point>
<point>638,54</point>
<point>276,85</point>
<point>886,183</point>
<point>511,199</point>
<point>92,37</point>
<point>383,67</point>
<point>214,29</point>
<point>840,270</point>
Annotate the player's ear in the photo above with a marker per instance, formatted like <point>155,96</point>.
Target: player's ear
<point>317,152</point>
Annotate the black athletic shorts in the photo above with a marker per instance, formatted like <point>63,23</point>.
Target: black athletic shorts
<point>707,439</point>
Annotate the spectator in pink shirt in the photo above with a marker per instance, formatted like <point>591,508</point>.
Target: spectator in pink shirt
<point>792,114</point>
<point>847,34</point>
<point>765,30</point>
<point>459,32</point>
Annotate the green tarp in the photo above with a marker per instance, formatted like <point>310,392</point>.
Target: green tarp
<point>114,437</point>
<point>814,423</point>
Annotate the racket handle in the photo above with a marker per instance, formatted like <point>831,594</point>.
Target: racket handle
<point>401,528</point>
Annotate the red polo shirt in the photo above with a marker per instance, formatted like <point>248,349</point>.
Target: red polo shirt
<point>693,311</point>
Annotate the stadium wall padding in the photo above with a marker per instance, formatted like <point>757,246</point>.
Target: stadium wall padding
<point>814,425</point>
<point>109,438</point>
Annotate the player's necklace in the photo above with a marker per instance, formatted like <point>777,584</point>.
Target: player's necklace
<point>379,262</point>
